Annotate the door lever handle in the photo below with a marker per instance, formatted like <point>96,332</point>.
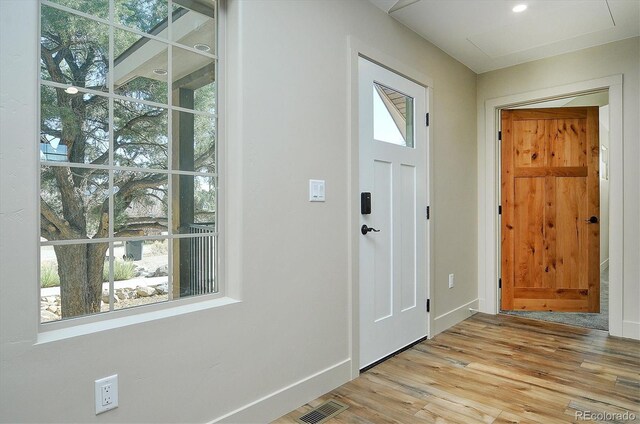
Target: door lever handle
<point>364,229</point>
<point>592,220</point>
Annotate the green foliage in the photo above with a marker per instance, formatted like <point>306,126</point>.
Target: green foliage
<point>141,134</point>
<point>99,8</point>
<point>141,14</point>
<point>75,50</point>
<point>49,275</point>
<point>122,270</point>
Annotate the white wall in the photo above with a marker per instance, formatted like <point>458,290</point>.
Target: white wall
<point>287,340</point>
<point>622,57</point>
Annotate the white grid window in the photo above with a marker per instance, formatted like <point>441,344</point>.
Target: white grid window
<point>128,182</point>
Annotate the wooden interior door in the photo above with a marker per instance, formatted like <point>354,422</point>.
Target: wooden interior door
<point>550,210</point>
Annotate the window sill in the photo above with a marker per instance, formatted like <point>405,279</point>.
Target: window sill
<point>134,317</point>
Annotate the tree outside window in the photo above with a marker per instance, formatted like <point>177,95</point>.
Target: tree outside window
<point>128,182</point>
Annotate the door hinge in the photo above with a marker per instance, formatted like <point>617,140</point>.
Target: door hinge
<point>499,283</point>
<point>499,209</point>
<point>428,305</point>
<point>426,121</point>
<point>428,212</point>
<point>499,135</point>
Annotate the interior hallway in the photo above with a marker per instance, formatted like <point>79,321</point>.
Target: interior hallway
<point>496,369</point>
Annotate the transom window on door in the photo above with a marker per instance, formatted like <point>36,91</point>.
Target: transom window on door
<point>392,116</point>
<point>128,182</point>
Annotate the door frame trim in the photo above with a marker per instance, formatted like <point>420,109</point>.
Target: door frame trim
<point>356,49</point>
<point>489,191</point>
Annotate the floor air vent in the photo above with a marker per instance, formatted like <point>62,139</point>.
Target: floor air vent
<point>322,413</point>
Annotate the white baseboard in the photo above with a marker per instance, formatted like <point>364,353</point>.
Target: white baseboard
<point>285,400</point>
<point>604,265</point>
<point>451,318</point>
<point>631,330</point>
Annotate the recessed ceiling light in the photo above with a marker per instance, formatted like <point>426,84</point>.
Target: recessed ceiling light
<point>202,47</point>
<point>161,72</point>
<point>519,8</point>
<point>71,90</point>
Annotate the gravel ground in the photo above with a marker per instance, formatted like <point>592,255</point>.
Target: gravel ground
<point>50,310</point>
<point>128,303</point>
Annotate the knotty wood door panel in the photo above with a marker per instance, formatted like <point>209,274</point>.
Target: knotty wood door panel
<point>550,190</point>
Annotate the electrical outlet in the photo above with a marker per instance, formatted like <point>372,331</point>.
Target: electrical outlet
<point>106,390</point>
<point>451,281</point>
<point>106,395</point>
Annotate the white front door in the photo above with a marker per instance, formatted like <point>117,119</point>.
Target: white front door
<point>393,256</point>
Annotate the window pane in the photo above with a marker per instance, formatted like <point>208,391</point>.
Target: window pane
<point>74,280</point>
<point>149,16</point>
<point>74,203</point>
<point>140,202</point>
<point>140,67</point>
<point>141,272</point>
<point>74,50</point>
<point>129,195</point>
<point>194,142</point>
<point>140,135</point>
<point>392,116</point>
<point>194,25</point>
<point>196,256</point>
<point>194,204</point>
<point>193,80</point>
<point>99,8</point>
<point>73,127</point>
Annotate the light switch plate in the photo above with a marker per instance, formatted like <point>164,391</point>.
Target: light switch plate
<point>316,191</point>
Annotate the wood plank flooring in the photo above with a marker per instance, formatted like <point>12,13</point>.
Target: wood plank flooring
<point>497,369</point>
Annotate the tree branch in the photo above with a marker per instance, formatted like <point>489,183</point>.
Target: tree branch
<point>55,224</point>
<point>73,208</point>
<point>134,121</point>
<point>103,226</point>
<point>130,186</point>
<point>52,66</point>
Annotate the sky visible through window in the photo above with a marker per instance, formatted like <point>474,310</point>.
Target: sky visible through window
<point>384,128</point>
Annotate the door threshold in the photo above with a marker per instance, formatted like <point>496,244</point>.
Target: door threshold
<point>572,324</point>
<point>381,360</point>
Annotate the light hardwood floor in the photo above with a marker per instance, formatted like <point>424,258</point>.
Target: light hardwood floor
<point>496,369</point>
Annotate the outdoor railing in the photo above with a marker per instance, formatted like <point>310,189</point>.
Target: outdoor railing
<point>202,270</point>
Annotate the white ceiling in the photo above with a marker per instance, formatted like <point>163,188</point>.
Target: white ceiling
<point>486,34</point>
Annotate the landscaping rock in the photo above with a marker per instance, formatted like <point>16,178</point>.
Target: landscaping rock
<point>140,271</point>
<point>145,291</point>
<point>162,288</point>
<point>48,316</point>
<point>162,271</point>
<point>51,310</point>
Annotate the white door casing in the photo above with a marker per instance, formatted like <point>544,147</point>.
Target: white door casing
<point>393,262</point>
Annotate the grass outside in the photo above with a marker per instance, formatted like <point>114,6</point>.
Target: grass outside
<point>122,270</point>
